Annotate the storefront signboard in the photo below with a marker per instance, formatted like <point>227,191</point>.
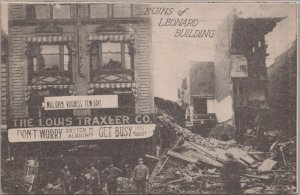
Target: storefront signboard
<point>81,128</point>
<point>80,102</point>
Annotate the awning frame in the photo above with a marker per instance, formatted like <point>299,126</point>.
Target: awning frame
<point>121,85</point>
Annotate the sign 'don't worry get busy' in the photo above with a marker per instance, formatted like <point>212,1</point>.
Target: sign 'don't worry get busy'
<point>81,128</point>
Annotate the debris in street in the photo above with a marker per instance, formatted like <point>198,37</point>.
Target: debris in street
<point>267,165</point>
<point>125,185</point>
<point>194,165</point>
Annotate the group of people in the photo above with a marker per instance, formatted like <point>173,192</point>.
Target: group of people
<point>105,182</point>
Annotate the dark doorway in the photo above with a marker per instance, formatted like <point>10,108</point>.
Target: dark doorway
<point>200,106</point>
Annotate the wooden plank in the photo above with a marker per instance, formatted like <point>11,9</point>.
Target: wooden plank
<point>182,157</point>
<point>179,140</point>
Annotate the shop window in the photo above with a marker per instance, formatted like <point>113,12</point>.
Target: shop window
<point>110,56</point>
<point>121,10</point>
<point>48,11</point>
<point>49,58</point>
<point>61,11</point>
<point>35,104</point>
<point>98,10</point>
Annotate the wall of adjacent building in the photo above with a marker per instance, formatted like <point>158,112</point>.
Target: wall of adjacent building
<point>222,68</point>
<point>282,89</point>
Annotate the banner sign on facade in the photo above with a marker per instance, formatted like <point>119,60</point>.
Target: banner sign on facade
<point>81,128</point>
<point>75,133</point>
<point>80,102</point>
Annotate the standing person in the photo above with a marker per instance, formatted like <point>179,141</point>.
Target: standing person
<point>127,171</point>
<point>65,180</point>
<point>111,174</point>
<point>94,180</point>
<point>230,174</point>
<point>140,176</point>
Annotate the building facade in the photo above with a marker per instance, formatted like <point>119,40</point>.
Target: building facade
<point>80,50</point>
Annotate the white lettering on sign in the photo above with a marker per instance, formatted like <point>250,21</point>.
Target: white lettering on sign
<point>73,133</point>
<point>80,102</point>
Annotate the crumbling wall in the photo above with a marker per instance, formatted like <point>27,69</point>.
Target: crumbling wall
<point>171,108</point>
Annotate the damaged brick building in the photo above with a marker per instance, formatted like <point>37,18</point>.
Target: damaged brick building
<point>241,72</point>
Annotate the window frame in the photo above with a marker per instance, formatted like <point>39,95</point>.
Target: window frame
<point>61,54</point>
<point>99,53</point>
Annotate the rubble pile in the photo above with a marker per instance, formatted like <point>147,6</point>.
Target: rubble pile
<point>125,185</point>
<point>192,165</point>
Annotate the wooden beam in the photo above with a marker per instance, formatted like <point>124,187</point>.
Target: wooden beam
<point>152,157</point>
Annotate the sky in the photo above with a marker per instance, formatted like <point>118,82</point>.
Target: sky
<point>171,55</point>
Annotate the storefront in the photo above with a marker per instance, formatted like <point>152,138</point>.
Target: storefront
<point>80,84</point>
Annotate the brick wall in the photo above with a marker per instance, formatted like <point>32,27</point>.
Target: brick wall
<point>144,68</point>
<point>4,78</point>
<point>17,77</point>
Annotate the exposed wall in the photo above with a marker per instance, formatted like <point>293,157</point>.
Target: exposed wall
<point>202,79</point>
<point>222,63</point>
